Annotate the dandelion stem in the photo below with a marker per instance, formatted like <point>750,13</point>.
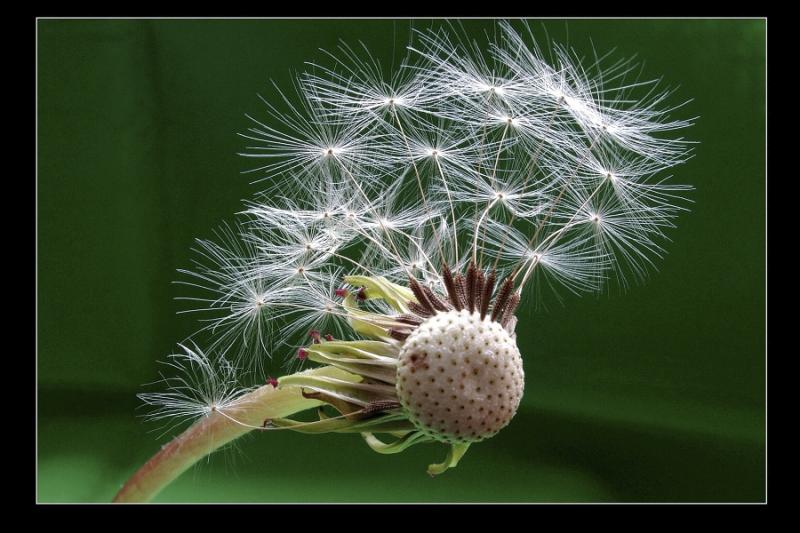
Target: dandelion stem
<point>213,432</point>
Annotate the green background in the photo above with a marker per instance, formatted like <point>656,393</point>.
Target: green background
<point>657,394</point>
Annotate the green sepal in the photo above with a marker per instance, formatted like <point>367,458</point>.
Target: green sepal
<point>397,446</point>
<point>369,358</point>
<point>362,321</point>
<point>348,387</point>
<point>456,452</point>
<point>376,325</point>
<point>362,349</point>
<point>378,287</point>
<point>368,324</point>
<point>380,424</point>
<point>298,377</point>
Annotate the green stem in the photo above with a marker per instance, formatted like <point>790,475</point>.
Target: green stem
<point>212,432</point>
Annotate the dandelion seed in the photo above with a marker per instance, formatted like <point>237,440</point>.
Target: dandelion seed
<point>202,384</point>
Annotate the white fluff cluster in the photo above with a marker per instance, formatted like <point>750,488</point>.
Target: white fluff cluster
<point>530,161</point>
<point>199,385</point>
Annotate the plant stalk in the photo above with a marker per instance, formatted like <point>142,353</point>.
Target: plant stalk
<point>213,432</point>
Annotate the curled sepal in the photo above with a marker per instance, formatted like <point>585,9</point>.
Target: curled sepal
<point>363,349</point>
<point>348,387</point>
<point>455,454</point>
<point>369,358</point>
<point>408,440</point>
<point>386,423</point>
<point>369,324</point>
<point>378,287</point>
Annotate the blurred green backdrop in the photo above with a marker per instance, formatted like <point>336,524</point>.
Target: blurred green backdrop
<point>657,394</point>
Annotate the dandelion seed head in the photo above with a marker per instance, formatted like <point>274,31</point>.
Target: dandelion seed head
<point>471,163</point>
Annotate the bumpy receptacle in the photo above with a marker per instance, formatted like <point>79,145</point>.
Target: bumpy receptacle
<point>460,377</point>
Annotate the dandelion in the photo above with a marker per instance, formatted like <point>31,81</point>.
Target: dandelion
<point>403,221</point>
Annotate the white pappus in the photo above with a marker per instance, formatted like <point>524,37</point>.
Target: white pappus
<point>401,209</point>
